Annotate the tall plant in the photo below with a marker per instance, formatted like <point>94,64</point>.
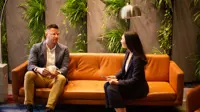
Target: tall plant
<point>165,31</point>
<point>3,37</point>
<point>113,36</point>
<point>197,68</point>
<point>76,13</point>
<point>113,7</point>
<point>195,6</point>
<point>35,16</point>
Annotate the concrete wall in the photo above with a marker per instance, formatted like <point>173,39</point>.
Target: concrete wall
<point>94,25</point>
<point>147,24</point>
<point>184,31</point>
<point>54,15</point>
<point>17,34</point>
<point>184,38</point>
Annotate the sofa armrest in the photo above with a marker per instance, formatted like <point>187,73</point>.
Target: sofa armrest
<point>18,78</point>
<point>192,99</point>
<point>176,80</point>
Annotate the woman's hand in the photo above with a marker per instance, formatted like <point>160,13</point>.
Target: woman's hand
<point>113,81</point>
<point>112,77</point>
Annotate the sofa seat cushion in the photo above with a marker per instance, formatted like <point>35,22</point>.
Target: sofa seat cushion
<point>93,89</point>
<point>160,91</point>
<point>84,89</point>
<point>75,89</point>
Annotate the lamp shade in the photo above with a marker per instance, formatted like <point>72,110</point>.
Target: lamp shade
<point>129,11</point>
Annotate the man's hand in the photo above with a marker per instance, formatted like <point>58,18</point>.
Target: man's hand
<point>113,81</point>
<point>44,72</point>
<point>55,74</point>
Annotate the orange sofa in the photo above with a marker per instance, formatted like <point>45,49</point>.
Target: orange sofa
<point>192,100</point>
<point>85,84</point>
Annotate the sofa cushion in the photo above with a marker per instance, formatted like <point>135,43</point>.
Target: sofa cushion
<point>157,68</point>
<point>84,89</point>
<point>160,91</point>
<point>93,89</point>
<point>84,66</point>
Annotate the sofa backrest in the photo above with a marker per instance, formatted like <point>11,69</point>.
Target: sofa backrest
<point>89,66</point>
<point>157,68</point>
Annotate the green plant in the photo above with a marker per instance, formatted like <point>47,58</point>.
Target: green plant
<point>157,51</point>
<point>165,31</point>
<point>81,44</point>
<point>4,43</point>
<point>113,7</point>
<point>112,39</point>
<point>3,37</point>
<point>112,11</point>
<point>167,4</point>
<point>195,6</point>
<point>35,16</point>
<point>113,36</point>
<point>195,58</point>
<point>197,70</point>
<point>76,13</point>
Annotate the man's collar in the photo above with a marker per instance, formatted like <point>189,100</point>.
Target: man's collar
<point>52,48</point>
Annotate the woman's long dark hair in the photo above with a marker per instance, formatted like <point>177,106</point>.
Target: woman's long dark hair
<point>134,44</point>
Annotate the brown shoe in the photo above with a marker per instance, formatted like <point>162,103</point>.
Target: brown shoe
<point>47,109</point>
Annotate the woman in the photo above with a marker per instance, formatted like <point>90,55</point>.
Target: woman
<point>130,82</point>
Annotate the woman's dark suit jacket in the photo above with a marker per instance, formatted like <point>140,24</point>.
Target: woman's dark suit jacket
<point>132,84</point>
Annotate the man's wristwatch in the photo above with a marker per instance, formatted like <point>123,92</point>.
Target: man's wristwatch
<point>35,69</point>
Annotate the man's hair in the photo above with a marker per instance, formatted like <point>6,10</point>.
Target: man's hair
<point>52,26</point>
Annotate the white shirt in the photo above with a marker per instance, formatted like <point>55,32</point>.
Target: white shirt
<point>128,61</point>
<point>50,59</point>
<point>50,56</point>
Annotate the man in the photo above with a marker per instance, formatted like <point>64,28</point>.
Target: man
<point>44,55</point>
